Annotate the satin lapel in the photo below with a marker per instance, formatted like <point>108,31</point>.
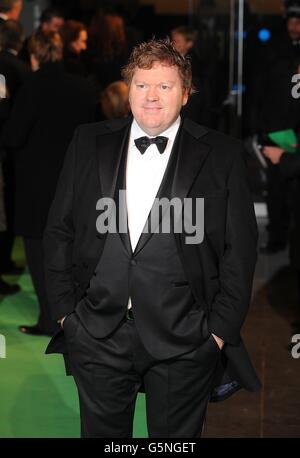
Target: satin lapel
<point>122,204</point>
<point>109,154</point>
<point>111,148</point>
<point>191,156</point>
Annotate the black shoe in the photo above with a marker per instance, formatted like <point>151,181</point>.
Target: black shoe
<point>272,248</point>
<point>33,331</point>
<point>11,269</point>
<point>6,289</point>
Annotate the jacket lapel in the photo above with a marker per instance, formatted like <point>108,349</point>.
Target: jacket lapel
<point>191,156</point>
<point>109,154</point>
<point>111,158</point>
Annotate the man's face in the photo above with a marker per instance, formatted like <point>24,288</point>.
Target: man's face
<point>293,28</point>
<point>181,43</point>
<point>156,96</point>
<point>16,10</point>
<point>54,25</point>
<point>80,44</point>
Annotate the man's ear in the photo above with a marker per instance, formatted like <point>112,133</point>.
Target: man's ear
<point>185,96</point>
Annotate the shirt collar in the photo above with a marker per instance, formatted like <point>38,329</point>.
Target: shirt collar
<point>137,131</point>
<point>12,51</point>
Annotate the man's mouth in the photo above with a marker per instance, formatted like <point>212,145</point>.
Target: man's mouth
<point>152,108</point>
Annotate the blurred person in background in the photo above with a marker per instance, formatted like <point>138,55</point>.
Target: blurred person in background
<point>289,165</point>
<point>108,47</point>
<point>75,37</point>
<point>10,9</point>
<point>183,39</point>
<point>114,101</point>
<point>15,72</point>
<point>47,109</point>
<point>4,287</point>
<point>13,68</point>
<point>51,20</point>
<point>292,16</point>
<point>199,105</point>
<point>273,109</point>
<point>2,209</point>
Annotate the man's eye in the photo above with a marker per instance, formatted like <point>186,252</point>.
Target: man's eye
<point>164,87</point>
<point>141,86</point>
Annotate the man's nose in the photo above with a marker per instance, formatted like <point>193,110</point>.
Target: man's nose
<point>152,94</point>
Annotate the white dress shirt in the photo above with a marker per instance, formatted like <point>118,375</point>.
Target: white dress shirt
<point>144,173</point>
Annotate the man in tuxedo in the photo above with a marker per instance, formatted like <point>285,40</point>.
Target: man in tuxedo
<point>15,72</point>
<point>289,166</point>
<point>51,21</point>
<point>151,310</point>
<point>46,110</point>
<point>10,9</point>
<point>273,109</point>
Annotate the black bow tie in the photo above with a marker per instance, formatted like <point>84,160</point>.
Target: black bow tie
<point>142,143</point>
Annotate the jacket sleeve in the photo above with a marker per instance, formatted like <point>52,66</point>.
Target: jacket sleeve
<point>237,265</point>
<point>290,165</point>
<point>22,117</point>
<point>58,240</point>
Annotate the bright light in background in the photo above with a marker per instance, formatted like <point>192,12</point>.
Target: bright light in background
<point>244,35</point>
<point>264,35</point>
<point>235,88</point>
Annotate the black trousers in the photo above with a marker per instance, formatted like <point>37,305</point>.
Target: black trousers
<point>7,237</point>
<point>109,372</point>
<point>35,260</point>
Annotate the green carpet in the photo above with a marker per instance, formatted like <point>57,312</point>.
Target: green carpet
<point>37,398</point>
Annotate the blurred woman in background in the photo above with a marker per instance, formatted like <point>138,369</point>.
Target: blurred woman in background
<point>74,36</point>
<point>108,47</point>
<point>114,101</point>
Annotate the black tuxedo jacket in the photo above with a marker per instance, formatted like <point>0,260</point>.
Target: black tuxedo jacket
<point>219,270</point>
